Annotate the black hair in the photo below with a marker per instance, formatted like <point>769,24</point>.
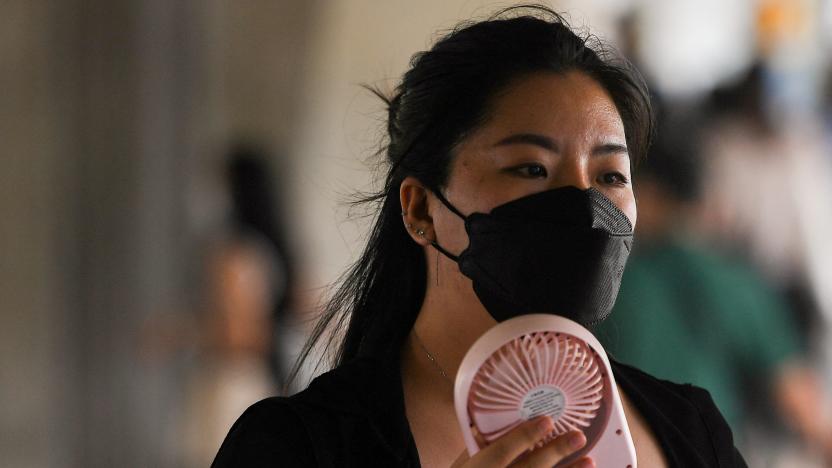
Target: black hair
<point>674,161</point>
<point>744,97</point>
<point>447,93</point>
<point>252,198</point>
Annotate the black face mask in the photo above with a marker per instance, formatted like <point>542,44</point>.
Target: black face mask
<point>561,252</point>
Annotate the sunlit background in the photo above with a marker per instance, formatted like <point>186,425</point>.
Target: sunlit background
<point>174,183</point>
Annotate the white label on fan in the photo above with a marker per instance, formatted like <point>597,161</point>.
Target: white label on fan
<point>543,400</point>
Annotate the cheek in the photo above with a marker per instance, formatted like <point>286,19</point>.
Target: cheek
<point>626,202</point>
<point>471,188</point>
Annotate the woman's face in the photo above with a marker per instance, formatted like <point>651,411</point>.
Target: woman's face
<point>545,131</point>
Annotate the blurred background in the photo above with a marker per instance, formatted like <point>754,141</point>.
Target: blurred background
<point>172,207</point>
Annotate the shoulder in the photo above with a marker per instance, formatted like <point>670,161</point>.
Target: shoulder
<point>346,415</point>
<point>684,418</point>
<point>680,400</point>
<point>268,431</point>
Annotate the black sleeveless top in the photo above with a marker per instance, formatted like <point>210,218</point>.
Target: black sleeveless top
<point>354,415</point>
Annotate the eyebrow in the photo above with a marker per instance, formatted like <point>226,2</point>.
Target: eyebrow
<point>550,145</point>
<point>530,139</point>
<point>609,149</point>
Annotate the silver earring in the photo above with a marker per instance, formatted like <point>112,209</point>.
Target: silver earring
<point>420,232</point>
<point>404,213</point>
<point>437,268</point>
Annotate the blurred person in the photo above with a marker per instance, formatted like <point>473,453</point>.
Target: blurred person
<point>766,197</point>
<point>257,222</point>
<point>687,313</point>
<point>518,115</point>
<point>238,360</point>
<point>766,194</point>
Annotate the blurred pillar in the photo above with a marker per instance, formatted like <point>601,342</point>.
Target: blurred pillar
<point>39,363</point>
<point>107,110</point>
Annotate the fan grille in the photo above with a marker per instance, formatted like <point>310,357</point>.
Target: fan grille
<point>538,373</point>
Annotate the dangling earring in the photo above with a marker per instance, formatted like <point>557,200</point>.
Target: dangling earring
<point>437,268</point>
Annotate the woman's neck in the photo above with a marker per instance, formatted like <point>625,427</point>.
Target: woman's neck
<point>449,322</point>
<point>429,404</point>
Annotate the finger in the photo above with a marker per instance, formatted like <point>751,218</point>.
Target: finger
<point>557,449</point>
<point>510,446</point>
<point>478,438</point>
<point>583,462</point>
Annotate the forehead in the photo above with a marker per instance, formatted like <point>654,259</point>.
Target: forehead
<point>569,106</point>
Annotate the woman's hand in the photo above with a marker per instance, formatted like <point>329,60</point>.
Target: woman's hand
<point>506,450</point>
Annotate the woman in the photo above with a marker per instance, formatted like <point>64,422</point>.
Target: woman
<point>514,114</point>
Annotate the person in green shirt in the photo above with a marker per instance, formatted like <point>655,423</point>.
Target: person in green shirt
<point>688,314</point>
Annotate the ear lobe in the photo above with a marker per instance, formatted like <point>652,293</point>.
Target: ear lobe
<point>414,201</point>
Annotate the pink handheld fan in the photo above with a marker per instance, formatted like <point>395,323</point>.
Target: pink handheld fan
<point>542,364</point>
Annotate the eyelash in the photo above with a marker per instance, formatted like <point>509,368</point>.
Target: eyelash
<point>622,179</point>
<point>523,171</point>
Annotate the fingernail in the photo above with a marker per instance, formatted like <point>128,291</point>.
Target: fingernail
<point>577,440</point>
<point>545,424</point>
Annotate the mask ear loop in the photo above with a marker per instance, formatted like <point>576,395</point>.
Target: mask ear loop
<point>455,211</point>
<point>444,252</point>
<point>445,202</point>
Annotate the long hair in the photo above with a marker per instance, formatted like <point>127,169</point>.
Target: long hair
<point>446,93</point>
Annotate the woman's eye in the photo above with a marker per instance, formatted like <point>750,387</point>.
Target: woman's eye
<point>614,178</point>
<point>532,171</point>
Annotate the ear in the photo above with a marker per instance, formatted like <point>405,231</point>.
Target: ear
<point>415,214</point>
